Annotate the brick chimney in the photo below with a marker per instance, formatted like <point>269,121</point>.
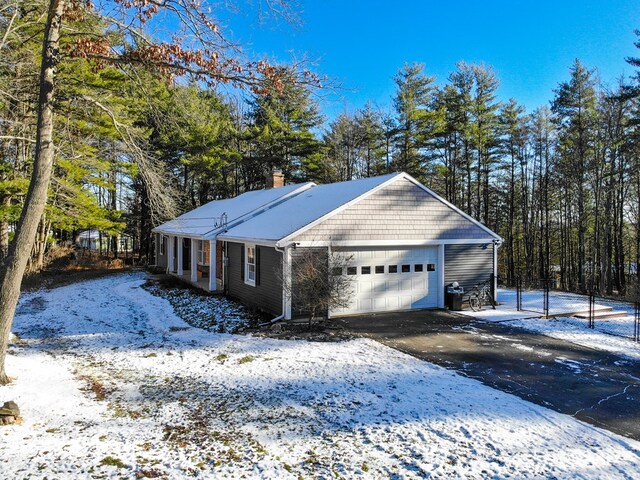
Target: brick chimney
<point>276,179</point>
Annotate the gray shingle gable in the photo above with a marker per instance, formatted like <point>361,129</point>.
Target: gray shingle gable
<point>398,211</point>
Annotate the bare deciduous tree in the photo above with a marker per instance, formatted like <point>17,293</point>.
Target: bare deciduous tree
<point>318,282</point>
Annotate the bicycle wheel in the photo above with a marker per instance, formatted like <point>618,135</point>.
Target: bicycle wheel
<point>475,304</point>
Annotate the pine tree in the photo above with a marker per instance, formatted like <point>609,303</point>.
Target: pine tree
<point>574,108</point>
<point>415,121</point>
<point>281,123</point>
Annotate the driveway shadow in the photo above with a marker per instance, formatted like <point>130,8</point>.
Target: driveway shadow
<point>594,386</point>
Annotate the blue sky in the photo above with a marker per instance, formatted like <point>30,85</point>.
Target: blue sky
<point>531,45</point>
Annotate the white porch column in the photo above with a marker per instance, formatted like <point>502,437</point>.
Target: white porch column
<point>286,265</point>
<point>180,255</point>
<point>495,272</point>
<point>169,254</point>
<point>213,265</point>
<point>194,260</point>
<point>440,268</point>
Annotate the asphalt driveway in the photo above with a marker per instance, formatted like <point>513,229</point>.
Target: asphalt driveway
<point>591,385</point>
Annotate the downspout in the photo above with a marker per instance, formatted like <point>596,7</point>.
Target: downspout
<point>283,251</point>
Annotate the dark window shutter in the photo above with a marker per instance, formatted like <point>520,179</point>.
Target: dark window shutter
<point>242,262</point>
<point>257,260</point>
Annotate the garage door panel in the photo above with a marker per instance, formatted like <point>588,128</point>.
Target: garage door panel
<point>406,301</point>
<point>365,304</point>
<point>393,286</point>
<point>380,303</point>
<point>419,284</point>
<point>364,287</point>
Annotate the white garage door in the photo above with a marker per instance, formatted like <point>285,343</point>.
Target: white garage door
<point>388,279</point>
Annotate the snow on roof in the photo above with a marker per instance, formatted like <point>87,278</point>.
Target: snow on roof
<point>299,211</point>
<point>208,218</point>
<point>92,234</point>
<point>89,234</point>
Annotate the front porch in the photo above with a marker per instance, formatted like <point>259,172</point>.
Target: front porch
<point>202,282</point>
<point>196,261</point>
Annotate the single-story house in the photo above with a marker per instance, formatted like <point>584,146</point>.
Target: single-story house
<point>404,243</point>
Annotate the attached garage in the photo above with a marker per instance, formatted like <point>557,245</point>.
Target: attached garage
<point>392,278</point>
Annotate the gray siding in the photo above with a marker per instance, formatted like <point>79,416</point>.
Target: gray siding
<point>468,265</point>
<point>267,294</point>
<point>161,260</point>
<point>399,211</point>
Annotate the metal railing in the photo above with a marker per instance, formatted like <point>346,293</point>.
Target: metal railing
<point>609,315</point>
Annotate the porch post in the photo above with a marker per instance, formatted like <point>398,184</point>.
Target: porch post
<point>213,264</point>
<point>286,265</point>
<point>495,272</point>
<point>180,252</point>
<point>440,267</point>
<point>194,260</point>
<point>169,254</point>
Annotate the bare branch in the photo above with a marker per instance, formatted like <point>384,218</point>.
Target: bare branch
<point>12,137</point>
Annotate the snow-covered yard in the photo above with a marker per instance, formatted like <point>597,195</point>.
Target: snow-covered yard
<point>112,384</point>
<point>610,334</point>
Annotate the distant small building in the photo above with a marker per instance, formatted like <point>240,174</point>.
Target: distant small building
<point>96,240</point>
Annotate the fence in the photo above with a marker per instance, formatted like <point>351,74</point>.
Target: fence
<point>609,315</point>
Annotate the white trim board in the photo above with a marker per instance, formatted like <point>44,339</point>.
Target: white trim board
<point>256,241</point>
<point>390,243</point>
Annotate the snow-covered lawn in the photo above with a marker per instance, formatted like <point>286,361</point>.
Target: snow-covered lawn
<point>610,334</point>
<point>112,384</point>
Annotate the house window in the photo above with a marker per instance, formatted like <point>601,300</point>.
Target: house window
<point>201,251</point>
<point>393,268</point>
<point>431,267</point>
<point>250,265</point>
<point>418,267</point>
<point>163,242</point>
<point>379,268</point>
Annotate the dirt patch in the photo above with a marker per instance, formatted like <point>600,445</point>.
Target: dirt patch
<point>67,265</point>
<point>301,331</point>
<point>48,279</point>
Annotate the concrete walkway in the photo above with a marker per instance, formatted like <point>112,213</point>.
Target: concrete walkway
<point>591,385</point>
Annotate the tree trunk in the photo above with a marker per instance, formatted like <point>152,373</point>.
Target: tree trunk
<point>5,201</point>
<point>20,248</point>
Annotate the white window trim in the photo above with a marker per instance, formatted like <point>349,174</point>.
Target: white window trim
<point>200,254</point>
<point>247,280</point>
<point>163,239</point>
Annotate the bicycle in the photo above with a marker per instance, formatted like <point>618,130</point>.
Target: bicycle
<point>480,296</point>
